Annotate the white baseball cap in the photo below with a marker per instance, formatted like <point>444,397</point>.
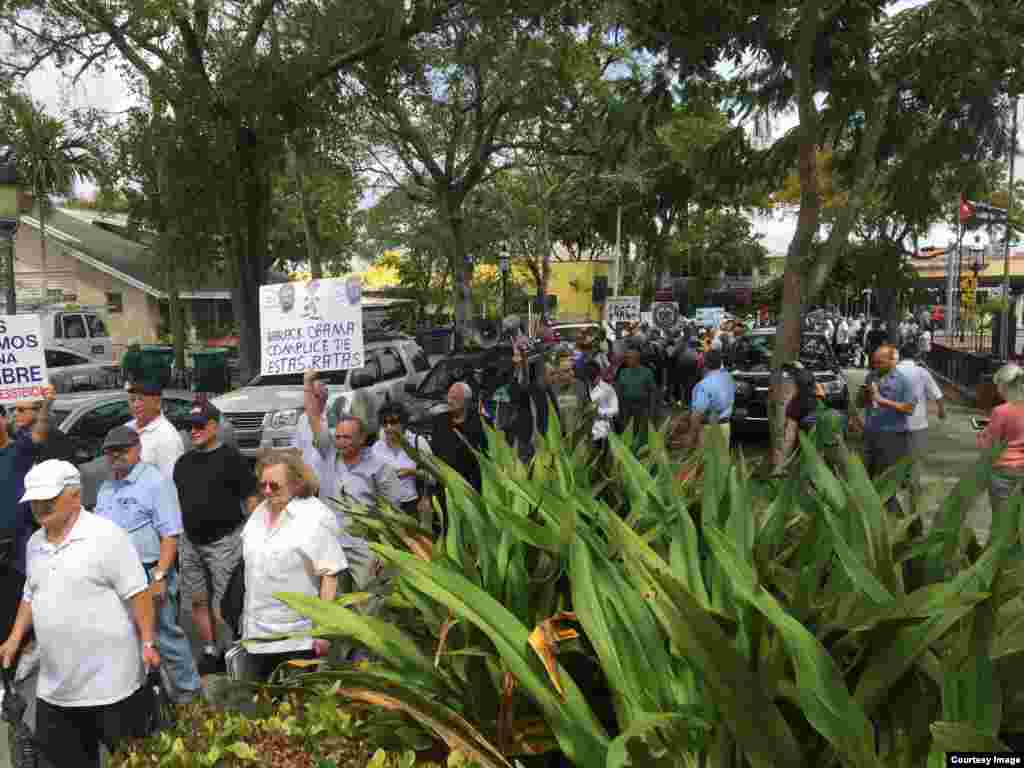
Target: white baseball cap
<point>48,479</point>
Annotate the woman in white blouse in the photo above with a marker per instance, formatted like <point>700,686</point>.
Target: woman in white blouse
<point>393,419</point>
<point>603,396</point>
<point>289,544</point>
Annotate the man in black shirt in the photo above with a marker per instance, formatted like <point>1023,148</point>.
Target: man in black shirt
<point>217,489</point>
<point>456,433</point>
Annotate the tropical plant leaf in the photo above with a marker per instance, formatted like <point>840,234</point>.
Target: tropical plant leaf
<point>447,724</point>
<point>822,693</point>
<point>658,741</point>
<point>579,734</point>
<point>748,712</point>
<point>961,737</point>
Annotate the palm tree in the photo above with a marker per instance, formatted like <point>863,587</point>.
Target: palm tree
<point>50,159</point>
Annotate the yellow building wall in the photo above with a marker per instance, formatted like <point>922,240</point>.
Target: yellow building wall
<point>572,282</point>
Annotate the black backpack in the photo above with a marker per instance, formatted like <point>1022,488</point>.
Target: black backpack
<point>233,603</point>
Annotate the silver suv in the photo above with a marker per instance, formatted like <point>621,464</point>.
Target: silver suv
<point>265,413</point>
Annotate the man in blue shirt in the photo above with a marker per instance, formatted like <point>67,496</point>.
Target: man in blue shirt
<point>888,400</point>
<point>712,402</point>
<point>144,503</point>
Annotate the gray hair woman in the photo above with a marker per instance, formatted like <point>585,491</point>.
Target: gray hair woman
<point>289,544</point>
<point>1006,426</point>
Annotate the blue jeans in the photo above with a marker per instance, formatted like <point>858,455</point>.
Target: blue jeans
<point>174,646</point>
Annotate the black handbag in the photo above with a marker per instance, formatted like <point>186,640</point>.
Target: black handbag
<point>233,602</point>
<point>160,713</point>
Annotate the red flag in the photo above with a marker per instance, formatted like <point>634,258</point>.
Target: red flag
<point>966,211</point>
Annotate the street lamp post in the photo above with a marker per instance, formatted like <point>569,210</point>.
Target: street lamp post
<point>505,264</point>
<point>9,224</point>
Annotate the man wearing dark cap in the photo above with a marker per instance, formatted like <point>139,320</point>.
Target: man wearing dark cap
<point>145,504</point>
<point>161,443</point>
<point>217,489</point>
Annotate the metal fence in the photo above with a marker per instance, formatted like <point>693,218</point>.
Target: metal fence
<point>964,369</point>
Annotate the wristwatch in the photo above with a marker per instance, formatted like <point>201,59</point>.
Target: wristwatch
<point>159,575</point>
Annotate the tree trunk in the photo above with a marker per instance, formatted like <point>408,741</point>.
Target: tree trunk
<point>462,273</point>
<point>12,289</point>
<point>251,254</point>
<point>175,309</point>
<point>297,159</point>
<point>794,290</point>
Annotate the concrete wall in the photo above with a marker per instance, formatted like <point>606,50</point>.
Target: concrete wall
<point>140,316</point>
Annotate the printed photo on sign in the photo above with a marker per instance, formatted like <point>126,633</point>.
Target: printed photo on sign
<point>623,309</point>
<point>317,324</point>
<point>22,360</point>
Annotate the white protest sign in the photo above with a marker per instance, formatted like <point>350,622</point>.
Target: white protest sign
<point>315,325</point>
<point>22,361</point>
<point>623,309</point>
<point>710,317</point>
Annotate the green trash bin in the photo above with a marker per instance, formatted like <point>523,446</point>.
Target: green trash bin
<point>131,364</point>
<point>211,370</point>
<point>156,363</point>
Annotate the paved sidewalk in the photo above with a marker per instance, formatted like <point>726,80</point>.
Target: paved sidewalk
<point>952,448</point>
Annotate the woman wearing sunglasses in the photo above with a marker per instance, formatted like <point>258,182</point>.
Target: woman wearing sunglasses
<point>289,544</point>
<point>393,419</point>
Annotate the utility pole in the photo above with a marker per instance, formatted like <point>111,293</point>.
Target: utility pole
<point>618,250</point>
<point>1004,347</point>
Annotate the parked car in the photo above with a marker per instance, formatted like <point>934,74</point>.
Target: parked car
<point>750,363</point>
<point>87,417</point>
<point>265,413</point>
<point>71,372</point>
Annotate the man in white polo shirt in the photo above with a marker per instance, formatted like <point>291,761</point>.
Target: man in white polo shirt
<point>87,600</point>
<point>161,443</point>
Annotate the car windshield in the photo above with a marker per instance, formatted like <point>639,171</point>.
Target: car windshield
<point>57,416</point>
<point>436,384</point>
<point>333,378</point>
<point>755,351</point>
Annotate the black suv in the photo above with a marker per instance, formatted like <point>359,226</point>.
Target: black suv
<point>750,362</point>
<point>429,397</point>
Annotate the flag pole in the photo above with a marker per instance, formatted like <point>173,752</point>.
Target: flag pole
<point>1004,346</point>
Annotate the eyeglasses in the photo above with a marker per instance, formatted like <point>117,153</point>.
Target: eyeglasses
<point>274,487</point>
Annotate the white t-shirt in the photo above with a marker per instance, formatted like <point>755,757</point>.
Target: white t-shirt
<point>90,649</point>
<point>842,333</point>
<point>292,557</point>
<point>161,444</point>
<point>924,343</point>
<point>924,388</point>
<point>607,401</point>
<point>398,459</point>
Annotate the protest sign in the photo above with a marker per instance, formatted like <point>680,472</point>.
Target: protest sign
<point>623,309</point>
<point>315,325</point>
<point>22,360</point>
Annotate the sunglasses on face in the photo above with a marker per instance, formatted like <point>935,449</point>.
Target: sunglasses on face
<point>25,408</point>
<point>117,452</point>
<point>270,484</point>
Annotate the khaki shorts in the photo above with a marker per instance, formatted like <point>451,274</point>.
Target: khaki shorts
<point>206,568</point>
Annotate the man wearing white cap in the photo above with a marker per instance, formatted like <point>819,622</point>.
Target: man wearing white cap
<point>87,600</point>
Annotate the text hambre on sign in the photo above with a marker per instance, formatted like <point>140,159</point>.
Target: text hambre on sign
<point>22,359</point>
